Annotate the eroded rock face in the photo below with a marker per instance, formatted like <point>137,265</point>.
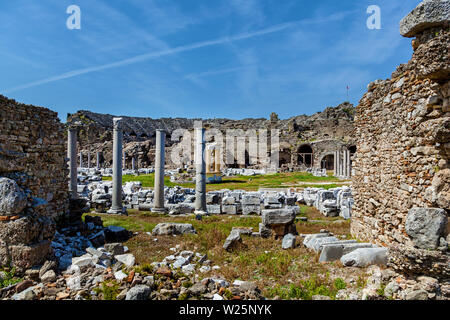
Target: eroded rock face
<point>439,191</point>
<point>12,198</point>
<point>428,14</point>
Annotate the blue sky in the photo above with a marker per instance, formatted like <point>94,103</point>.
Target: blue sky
<point>197,58</point>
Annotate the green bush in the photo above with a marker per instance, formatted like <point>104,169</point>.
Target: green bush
<point>8,277</point>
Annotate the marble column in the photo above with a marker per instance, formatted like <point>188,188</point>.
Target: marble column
<point>117,207</point>
<point>133,163</point>
<point>349,164</point>
<point>72,155</point>
<point>81,159</point>
<point>200,167</point>
<point>217,160</point>
<point>89,160</point>
<point>158,205</point>
<point>337,163</point>
<point>334,163</point>
<point>208,160</point>
<point>98,160</point>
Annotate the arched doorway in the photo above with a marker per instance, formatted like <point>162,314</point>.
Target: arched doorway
<point>305,155</point>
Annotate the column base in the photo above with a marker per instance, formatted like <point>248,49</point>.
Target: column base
<point>117,211</point>
<point>159,210</point>
<point>201,212</point>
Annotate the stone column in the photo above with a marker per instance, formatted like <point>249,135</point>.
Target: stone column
<point>338,163</point>
<point>81,159</point>
<point>89,160</point>
<point>217,160</point>
<point>349,164</point>
<point>133,163</point>
<point>200,167</point>
<point>117,207</point>
<point>334,163</point>
<point>348,167</point>
<point>208,160</point>
<point>158,205</point>
<point>344,162</point>
<point>72,155</point>
<point>98,160</point>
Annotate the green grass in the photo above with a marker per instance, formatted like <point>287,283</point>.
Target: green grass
<point>278,180</point>
<point>109,290</point>
<point>306,289</point>
<point>290,274</point>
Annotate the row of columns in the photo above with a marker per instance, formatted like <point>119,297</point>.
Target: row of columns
<point>342,164</point>
<point>88,157</point>
<point>133,161</point>
<point>213,163</point>
<point>118,157</point>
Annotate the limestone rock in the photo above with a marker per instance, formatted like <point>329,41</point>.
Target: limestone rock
<point>173,229</point>
<point>139,292</point>
<point>364,257</point>
<point>426,226</point>
<point>12,198</point>
<point>288,241</point>
<point>428,14</point>
<point>232,240</point>
<point>127,259</point>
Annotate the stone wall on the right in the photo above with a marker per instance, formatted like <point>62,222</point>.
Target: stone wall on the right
<point>403,138</point>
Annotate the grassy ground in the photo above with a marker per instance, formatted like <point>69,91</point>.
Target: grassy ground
<point>279,180</point>
<point>289,274</point>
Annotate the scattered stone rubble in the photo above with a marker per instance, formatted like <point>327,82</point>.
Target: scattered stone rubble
<point>81,272</point>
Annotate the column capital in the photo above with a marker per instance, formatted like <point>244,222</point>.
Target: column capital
<point>117,123</point>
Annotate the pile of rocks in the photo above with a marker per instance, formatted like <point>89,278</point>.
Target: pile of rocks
<point>316,172</point>
<point>109,272</point>
<point>349,252</point>
<point>383,284</point>
<point>179,200</point>
<point>331,203</point>
<point>229,172</point>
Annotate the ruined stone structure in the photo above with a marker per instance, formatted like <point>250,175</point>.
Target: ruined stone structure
<point>33,182</point>
<point>305,141</point>
<point>402,162</point>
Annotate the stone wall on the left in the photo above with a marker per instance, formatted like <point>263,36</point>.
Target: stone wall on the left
<point>33,182</point>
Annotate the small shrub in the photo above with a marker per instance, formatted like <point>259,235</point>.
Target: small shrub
<point>339,284</point>
<point>183,296</point>
<point>108,289</point>
<point>9,278</point>
<point>144,269</point>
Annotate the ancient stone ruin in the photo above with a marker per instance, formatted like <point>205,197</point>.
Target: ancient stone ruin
<point>394,146</point>
<point>401,178</point>
<point>33,182</point>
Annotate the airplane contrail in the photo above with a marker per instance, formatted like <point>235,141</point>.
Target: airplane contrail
<point>157,54</point>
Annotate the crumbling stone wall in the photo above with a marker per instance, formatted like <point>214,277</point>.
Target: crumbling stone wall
<point>33,181</point>
<point>403,147</point>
